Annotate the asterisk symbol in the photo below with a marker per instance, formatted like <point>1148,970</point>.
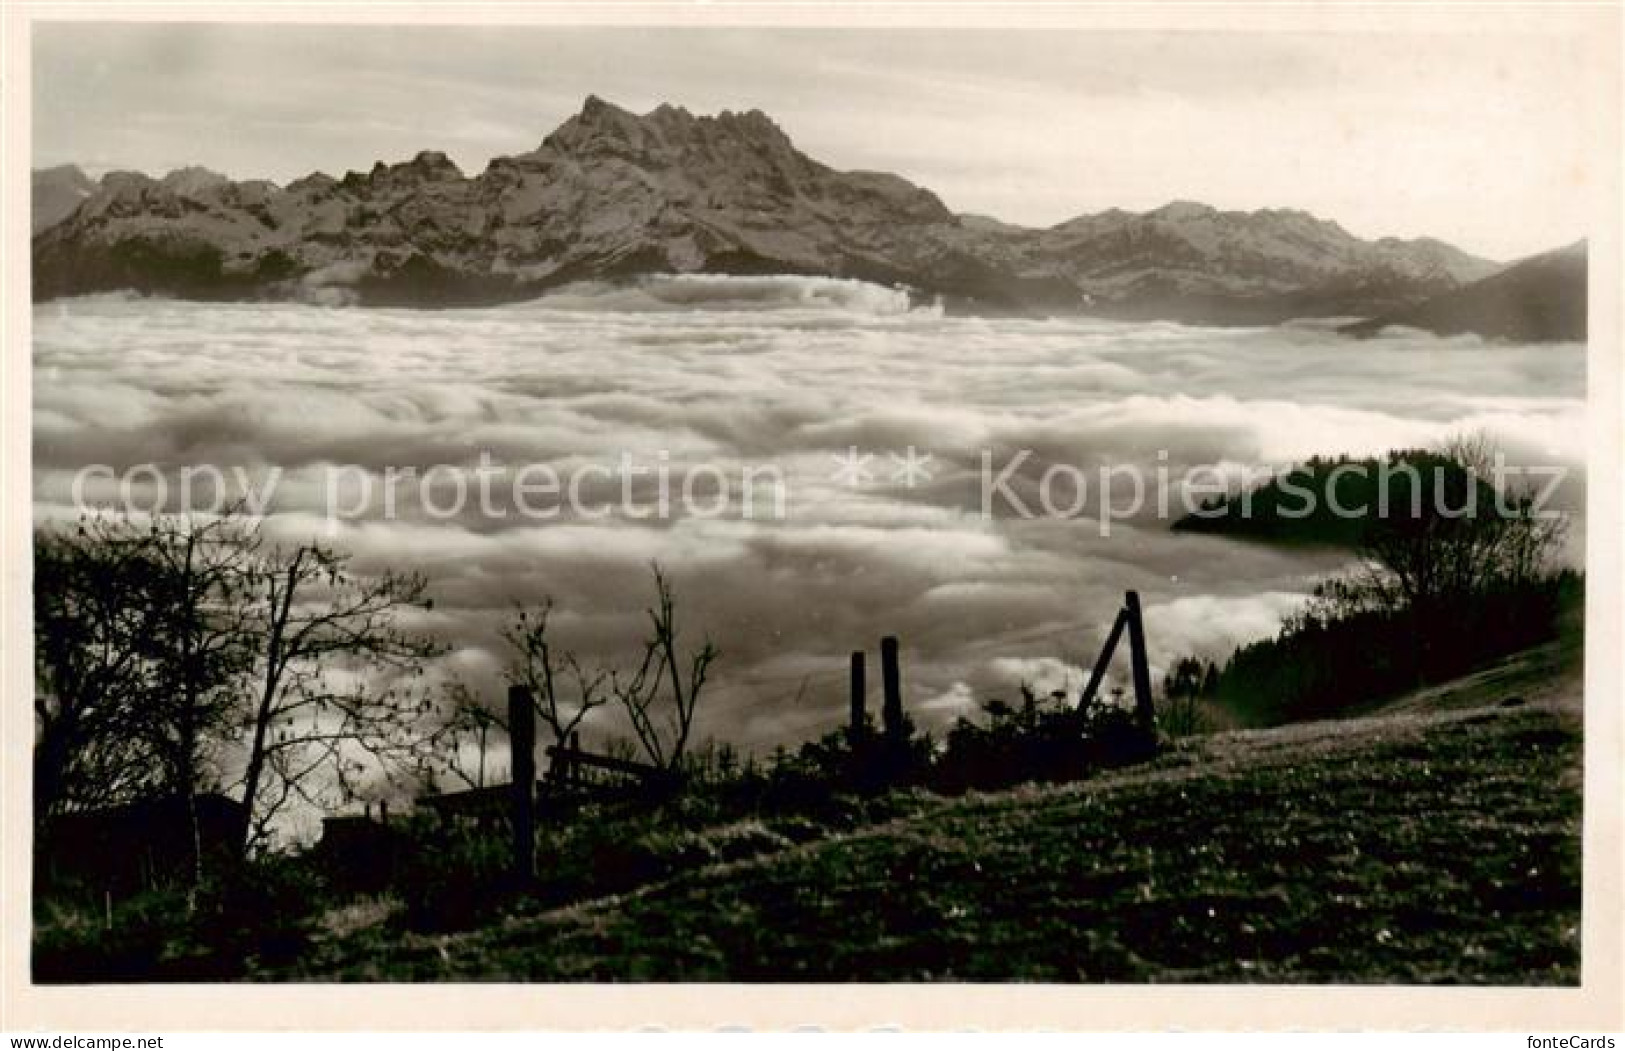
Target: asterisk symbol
<point>852,467</point>
<point>910,468</point>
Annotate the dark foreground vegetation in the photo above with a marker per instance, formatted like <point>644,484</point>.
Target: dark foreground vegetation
<point>1434,845</point>
<point>1454,571</point>
<point>184,699</point>
<point>1436,841</point>
<point>1442,848</point>
<point>247,916</point>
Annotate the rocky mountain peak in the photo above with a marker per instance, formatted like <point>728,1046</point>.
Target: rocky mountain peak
<point>1183,211</point>
<point>597,118</point>
<point>56,193</point>
<point>435,162</point>
<point>612,194</point>
<point>426,167</point>
<point>193,181</point>
<point>668,115</point>
<point>125,183</point>
<point>750,121</point>
<point>67,174</point>
<point>595,108</point>
<point>1541,299</point>
<point>665,133</point>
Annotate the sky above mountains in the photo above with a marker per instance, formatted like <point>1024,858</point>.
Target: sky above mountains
<point>1478,140</point>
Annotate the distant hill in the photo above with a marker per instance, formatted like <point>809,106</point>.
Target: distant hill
<point>613,195</point>
<point>1337,501</point>
<point>1539,300</point>
<point>56,192</point>
<point>1188,261</point>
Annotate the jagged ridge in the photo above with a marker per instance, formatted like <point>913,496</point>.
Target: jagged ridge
<point>610,194</point>
<point>1541,299</point>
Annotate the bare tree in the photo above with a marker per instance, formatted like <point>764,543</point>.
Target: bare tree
<point>661,698</point>
<point>1460,545</point>
<point>208,635</point>
<point>173,652</point>
<point>94,667</point>
<point>1461,533</point>
<point>565,690</point>
<point>143,634</point>
<point>467,722</point>
<point>330,643</point>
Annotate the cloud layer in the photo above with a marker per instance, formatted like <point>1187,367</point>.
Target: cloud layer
<point>787,376</point>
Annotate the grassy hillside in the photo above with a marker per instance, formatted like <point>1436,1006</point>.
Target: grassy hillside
<point>1434,840</point>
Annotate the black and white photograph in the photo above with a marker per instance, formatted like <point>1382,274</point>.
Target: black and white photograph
<point>689,502</point>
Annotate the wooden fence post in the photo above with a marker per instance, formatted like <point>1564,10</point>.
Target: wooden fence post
<point>1098,674</point>
<point>522,740</point>
<point>1145,711</point>
<point>891,711</point>
<point>860,689</point>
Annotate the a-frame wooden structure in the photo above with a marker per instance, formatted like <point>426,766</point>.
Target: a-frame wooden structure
<point>1128,618</point>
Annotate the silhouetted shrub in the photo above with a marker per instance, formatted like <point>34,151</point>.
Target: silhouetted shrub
<point>1324,661</point>
<point>254,912</point>
<point>455,880</point>
<point>79,942</point>
<point>1039,742</point>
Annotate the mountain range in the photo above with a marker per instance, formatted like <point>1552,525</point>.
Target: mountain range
<point>612,195</point>
<point>1538,300</point>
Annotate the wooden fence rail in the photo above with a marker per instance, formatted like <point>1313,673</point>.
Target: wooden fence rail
<point>569,761</point>
<point>571,758</point>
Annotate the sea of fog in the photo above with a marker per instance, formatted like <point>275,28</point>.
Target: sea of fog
<point>883,423</point>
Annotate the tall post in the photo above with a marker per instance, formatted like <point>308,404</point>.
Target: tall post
<point>522,738</point>
<point>1145,711</point>
<point>860,689</point>
<point>891,684</point>
<point>1098,674</point>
